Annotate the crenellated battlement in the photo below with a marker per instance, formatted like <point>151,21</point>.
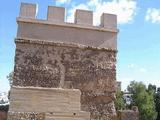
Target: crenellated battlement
<point>57,14</point>
<point>54,28</point>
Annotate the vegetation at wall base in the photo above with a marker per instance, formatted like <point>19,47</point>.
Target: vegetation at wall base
<point>119,102</point>
<point>144,99</point>
<point>157,103</point>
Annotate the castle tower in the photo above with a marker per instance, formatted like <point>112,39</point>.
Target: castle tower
<point>55,58</point>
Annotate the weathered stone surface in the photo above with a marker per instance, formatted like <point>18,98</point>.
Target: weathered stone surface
<point>100,111</point>
<point>128,115</point>
<point>91,70</point>
<point>25,116</point>
<point>43,65</point>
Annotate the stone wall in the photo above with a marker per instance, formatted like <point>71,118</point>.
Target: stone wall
<point>92,70</point>
<point>25,116</point>
<point>128,115</point>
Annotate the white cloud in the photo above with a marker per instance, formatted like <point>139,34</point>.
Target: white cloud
<point>153,15</point>
<point>59,2</point>
<point>132,66</point>
<point>124,9</point>
<point>137,68</point>
<point>142,70</point>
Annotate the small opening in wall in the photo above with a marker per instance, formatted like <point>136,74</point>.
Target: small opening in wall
<point>51,113</point>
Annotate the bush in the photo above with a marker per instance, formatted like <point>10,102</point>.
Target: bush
<point>4,108</point>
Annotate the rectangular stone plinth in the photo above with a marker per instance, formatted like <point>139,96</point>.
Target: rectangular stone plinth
<point>44,99</point>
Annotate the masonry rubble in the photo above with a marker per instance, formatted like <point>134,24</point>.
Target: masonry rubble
<point>127,115</point>
<point>64,71</point>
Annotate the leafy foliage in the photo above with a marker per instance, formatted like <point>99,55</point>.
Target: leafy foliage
<point>157,102</point>
<point>156,98</point>
<point>144,99</point>
<point>152,88</point>
<point>10,78</point>
<point>4,108</point>
<point>119,103</point>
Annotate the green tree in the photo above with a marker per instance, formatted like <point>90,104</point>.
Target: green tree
<point>152,88</point>
<point>119,102</point>
<point>157,102</point>
<point>10,78</point>
<point>143,99</point>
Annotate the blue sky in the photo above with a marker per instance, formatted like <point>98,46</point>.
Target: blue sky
<point>138,39</point>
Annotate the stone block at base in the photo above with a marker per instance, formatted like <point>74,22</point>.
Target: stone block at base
<point>36,103</point>
<point>40,99</point>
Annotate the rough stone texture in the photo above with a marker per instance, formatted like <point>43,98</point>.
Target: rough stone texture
<point>25,116</point>
<point>45,65</point>
<point>91,70</point>
<point>128,115</point>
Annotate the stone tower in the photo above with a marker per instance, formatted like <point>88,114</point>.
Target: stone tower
<point>55,58</point>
